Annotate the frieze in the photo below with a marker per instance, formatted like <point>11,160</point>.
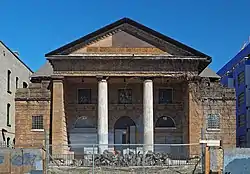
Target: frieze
<point>135,66</point>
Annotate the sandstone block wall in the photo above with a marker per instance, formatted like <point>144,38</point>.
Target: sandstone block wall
<point>32,101</point>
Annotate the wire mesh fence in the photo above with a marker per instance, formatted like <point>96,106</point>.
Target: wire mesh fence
<point>120,158</point>
<point>20,160</point>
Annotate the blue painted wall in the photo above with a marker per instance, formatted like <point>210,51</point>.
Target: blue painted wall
<point>229,77</point>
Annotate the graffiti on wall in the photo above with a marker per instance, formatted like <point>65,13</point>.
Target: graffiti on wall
<point>236,160</point>
<point>21,157</point>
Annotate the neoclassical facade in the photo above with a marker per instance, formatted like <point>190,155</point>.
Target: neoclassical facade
<point>124,84</point>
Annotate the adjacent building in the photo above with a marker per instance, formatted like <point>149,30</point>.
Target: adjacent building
<point>125,84</point>
<point>14,74</point>
<point>236,74</point>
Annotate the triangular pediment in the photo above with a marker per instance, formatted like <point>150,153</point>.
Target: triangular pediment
<point>119,42</point>
<point>126,36</point>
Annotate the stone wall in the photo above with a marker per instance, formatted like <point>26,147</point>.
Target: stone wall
<point>209,97</point>
<point>32,101</point>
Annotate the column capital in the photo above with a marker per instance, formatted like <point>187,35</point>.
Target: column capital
<point>57,78</point>
<point>147,78</point>
<point>102,78</point>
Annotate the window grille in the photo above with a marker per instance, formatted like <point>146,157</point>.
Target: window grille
<point>125,96</point>
<point>213,121</point>
<point>37,122</point>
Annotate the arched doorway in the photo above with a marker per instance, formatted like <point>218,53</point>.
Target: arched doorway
<point>125,131</point>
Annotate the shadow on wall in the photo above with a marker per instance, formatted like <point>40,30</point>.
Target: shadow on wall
<point>238,166</point>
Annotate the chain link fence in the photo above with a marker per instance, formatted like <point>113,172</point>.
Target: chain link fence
<point>124,158</point>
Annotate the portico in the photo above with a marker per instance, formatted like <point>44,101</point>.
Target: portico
<point>124,71</point>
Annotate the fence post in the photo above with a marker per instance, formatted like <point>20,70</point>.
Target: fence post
<point>93,160</point>
<point>202,151</point>
<point>207,160</point>
<point>46,151</point>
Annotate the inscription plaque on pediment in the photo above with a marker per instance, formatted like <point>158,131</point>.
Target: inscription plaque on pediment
<point>124,50</point>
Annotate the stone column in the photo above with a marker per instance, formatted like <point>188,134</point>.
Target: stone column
<point>102,114</point>
<point>59,130</point>
<point>148,115</point>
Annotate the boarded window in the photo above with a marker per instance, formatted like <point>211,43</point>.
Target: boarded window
<point>84,96</point>
<point>165,96</point>
<point>241,120</point>
<point>241,99</point>
<point>125,96</point>
<point>241,78</point>
<point>37,122</point>
<point>213,121</point>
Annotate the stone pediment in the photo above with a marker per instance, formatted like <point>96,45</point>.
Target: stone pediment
<point>126,36</point>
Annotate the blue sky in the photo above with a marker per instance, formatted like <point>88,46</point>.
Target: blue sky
<point>33,28</point>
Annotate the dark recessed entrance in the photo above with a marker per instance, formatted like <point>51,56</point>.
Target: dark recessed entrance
<point>124,131</point>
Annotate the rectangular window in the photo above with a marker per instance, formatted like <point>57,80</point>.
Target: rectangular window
<point>8,81</point>
<point>241,78</point>
<point>8,115</point>
<point>241,98</point>
<point>84,96</point>
<point>165,96</point>
<point>242,141</point>
<point>17,81</point>
<point>37,122</point>
<point>241,120</point>
<point>125,96</point>
<point>213,121</point>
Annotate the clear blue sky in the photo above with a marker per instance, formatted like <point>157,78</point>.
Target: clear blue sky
<point>215,27</point>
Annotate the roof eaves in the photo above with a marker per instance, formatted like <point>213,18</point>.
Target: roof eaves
<point>133,23</point>
<point>16,56</point>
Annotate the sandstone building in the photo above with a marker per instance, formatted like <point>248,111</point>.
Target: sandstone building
<point>14,74</point>
<point>124,84</point>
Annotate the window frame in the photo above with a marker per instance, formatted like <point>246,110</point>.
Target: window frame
<point>35,125</point>
<point>9,81</point>
<point>243,140</point>
<point>17,82</point>
<point>166,88</point>
<point>160,127</point>
<point>8,115</point>
<point>213,128</point>
<point>240,79</point>
<point>242,101</point>
<point>90,96</point>
<point>240,123</point>
<point>123,89</point>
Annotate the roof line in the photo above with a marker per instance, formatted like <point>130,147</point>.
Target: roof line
<point>15,56</point>
<point>131,22</point>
